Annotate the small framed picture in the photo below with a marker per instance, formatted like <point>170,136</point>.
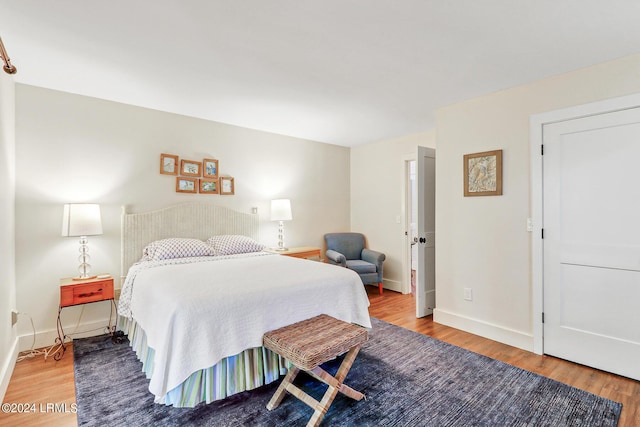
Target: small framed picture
<point>226,185</point>
<point>209,186</point>
<point>186,185</point>
<point>483,173</point>
<point>168,164</point>
<point>210,168</point>
<point>190,168</point>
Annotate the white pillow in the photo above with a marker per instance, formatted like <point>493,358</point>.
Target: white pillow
<point>175,248</point>
<point>229,244</point>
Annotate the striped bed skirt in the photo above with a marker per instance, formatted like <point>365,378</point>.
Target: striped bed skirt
<point>248,370</point>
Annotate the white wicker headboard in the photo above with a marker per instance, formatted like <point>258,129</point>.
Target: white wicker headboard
<point>195,220</point>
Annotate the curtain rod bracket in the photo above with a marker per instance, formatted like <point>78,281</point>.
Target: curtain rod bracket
<point>7,67</point>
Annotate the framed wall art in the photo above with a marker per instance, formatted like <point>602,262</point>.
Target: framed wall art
<point>227,185</point>
<point>209,186</point>
<point>210,168</point>
<point>186,185</point>
<point>193,176</point>
<point>483,173</point>
<point>168,164</point>
<point>190,168</point>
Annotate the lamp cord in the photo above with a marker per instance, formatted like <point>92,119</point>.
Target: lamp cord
<point>53,349</point>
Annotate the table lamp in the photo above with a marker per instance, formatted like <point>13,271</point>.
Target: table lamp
<point>82,220</point>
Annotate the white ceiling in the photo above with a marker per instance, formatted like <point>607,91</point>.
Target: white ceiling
<point>344,72</point>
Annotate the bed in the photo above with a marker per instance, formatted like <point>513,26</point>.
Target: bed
<point>196,319</point>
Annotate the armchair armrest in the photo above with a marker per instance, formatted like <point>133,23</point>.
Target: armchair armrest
<point>336,258</point>
<point>374,257</point>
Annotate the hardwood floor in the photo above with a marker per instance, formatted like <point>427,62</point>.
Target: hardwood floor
<point>38,382</point>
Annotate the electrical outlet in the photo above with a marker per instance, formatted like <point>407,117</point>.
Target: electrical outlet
<point>14,317</point>
<point>468,294</point>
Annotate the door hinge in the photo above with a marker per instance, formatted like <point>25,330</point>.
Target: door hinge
<point>542,150</point>
<point>542,317</point>
<point>542,233</point>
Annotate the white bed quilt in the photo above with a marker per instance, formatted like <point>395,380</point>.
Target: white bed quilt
<point>199,311</point>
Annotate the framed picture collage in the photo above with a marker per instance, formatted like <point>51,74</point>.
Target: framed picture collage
<point>195,176</point>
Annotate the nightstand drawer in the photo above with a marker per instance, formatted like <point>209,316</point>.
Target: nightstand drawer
<point>82,293</point>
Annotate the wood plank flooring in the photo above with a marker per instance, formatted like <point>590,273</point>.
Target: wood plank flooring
<point>39,382</point>
<point>36,381</point>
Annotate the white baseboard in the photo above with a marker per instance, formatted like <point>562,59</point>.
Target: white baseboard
<point>392,285</point>
<point>47,338</point>
<point>485,329</point>
<point>7,368</point>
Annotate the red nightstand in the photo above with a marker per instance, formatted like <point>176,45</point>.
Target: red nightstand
<point>77,292</point>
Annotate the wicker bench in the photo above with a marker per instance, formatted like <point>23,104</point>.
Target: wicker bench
<point>309,343</point>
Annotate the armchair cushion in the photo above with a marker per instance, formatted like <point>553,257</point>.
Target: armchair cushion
<point>361,267</point>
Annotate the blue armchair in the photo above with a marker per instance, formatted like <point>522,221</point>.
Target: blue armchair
<point>347,250</point>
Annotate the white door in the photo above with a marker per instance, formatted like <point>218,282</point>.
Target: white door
<point>591,241</point>
<point>425,274</point>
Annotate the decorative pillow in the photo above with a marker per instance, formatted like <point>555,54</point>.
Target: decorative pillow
<point>175,248</point>
<point>229,244</point>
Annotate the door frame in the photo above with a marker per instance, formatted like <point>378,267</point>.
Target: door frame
<point>536,139</point>
<point>406,218</point>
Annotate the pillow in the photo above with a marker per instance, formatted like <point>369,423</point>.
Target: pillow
<point>175,248</point>
<point>229,244</point>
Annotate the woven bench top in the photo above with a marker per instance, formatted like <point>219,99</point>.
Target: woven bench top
<point>311,342</point>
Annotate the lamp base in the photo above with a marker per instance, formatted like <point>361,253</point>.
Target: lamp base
<point>279,249</point>
<point>84,268</point>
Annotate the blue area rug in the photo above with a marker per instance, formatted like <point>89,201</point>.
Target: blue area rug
<point>409,380</point>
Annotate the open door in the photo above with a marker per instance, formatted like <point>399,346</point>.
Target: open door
<point>425,274</point>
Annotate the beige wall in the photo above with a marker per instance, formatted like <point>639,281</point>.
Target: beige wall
<point>71,148</point>
<point>482,242</point>
<point>377,198</point>
<point>8,349</point>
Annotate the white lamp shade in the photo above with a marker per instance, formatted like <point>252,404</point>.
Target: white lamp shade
<point>81,219</point>
<point>281,210</point>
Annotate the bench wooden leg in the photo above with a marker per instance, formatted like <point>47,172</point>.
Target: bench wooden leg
<point>282,388</point>
<point>323,407</point>
<point>335,386</point>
